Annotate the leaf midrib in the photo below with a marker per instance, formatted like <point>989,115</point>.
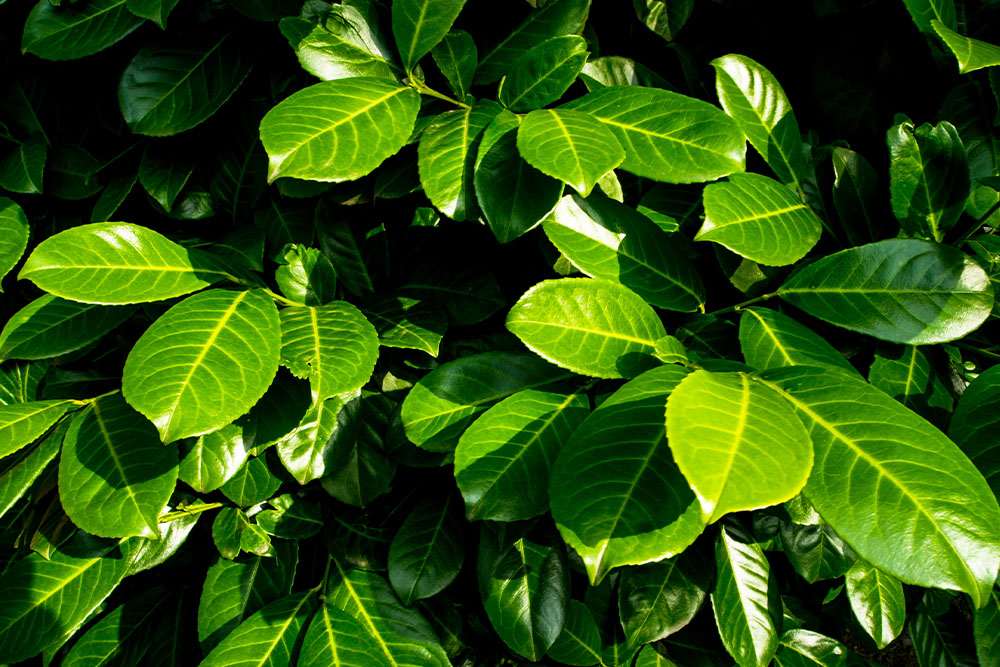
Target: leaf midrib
<point>372,630</point>
<point>70,26</point>
<point>102,425</point>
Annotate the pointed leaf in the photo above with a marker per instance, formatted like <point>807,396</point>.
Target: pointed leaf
<point>667,136</point>
<point>212,459</point>
<point>333,346</point>
<point>269,637</point>
<point>986,625</point>
<point>116,263</point>
<point>815,551</point>
<point>972,54</point>
<point>254,482</point>
<point>50,326</point>
<point>418,26</point>
<point>617,496</point>
<point>925,12</point>
<point>935,643</point>
<point>163,175</point>
<point>588,326</point>
<point>18,473</point>
<point>120,636</point>
<point>414,324</point>
<point>19,381</point>
<point>313,448</point>
<point>23,168</point>
<point>335,637</point>
<point>13,235</point>
<point>114,476</point>
<point>503,460</point>
<point>726,434</point>
<point>608,240</point>
<point>760,219</point>
<point>902,290</point>
<point>22,423</point>
<point>570,146</point>
<point>770,339</point>
<point>204,362</point>
<point>877,602</point>
<point>170,87</point>
<point>292,518</point>
<point>113,196</point>
<point>342,47</point>
<point>658,599</point>
<point>907,375</point>
<point>426,553</point>
<point>338,130</point>
<point>914,528</point>
<point>75,31</point>
<point>154,10</point>
<point>805,648</point>
<point>664,17</point>
<point>855,192</point>
<point>579,643</point>
<point>456,56</point>
<point>543,73</point>
<point>974,425</point>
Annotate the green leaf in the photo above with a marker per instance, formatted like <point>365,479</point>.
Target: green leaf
<point>22,423</point>
<point>335,637</point>
<point>593,327</point>
<point>113,196</point>
<point>233,532</point>
<point>314,448</point>
<point>269,637</point>
<point>212,459</point>
<point>986,626</point>
<point>154,10</point>
<point>744,597</point>
<point>928,177</point>
<point>419,25</point>
<point>18,473</point>
<point>925,12</point>
<point>855,193</point>
<point>204,362</point>
<point>756,101</point>
<point>50,326</point>
<point>667,136</point>
<point>815,551</point>
<point>342,248</point>
<point>901,290</point>
<point>664,17</point>
<point>649,657</point>
<point>513,195</point>
<point>19,381</point>
<point>935,643</point>
<point>14,232</point>
<point>367,472</point>
<point>877,602</point>
<point>23,168</point>
<point>439,408</point>
<point>457,57</point>
<point>760,219</point>
<point>163,175</point>
<point>414,324</point>
<point>121,636</point>
<point>446,158</point>
<point>75,31</point>
<point>427,552</point>
<point>579,643</point>
<point>726,433</point>
<point>308,277</point>
<point>619,71</point>
<point>338,130</point>
<point>907,375</point>
<point>343,46</point>
<point>114,476</point>
<point>658,599</point>
<point>914,528</point>
<point>253,483</point>
<point>117,263</point>
<point>570,146</point>
<point>525,592</point>
<point>805,648</point>
<point>617,496</point>
<point>972,54</point>
<point>292,518</point>
<point>43,598</point>
<point>770,339</point>
<point>543,73</point>
<point>234,590</point>
<point>332,346</point>
<point>402,635</point>
<point>170,87</point>
<point>974,424</point>
<point>503,460</point>
<point>558,17</point>
<point>608,240</point>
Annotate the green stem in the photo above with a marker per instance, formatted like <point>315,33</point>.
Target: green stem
<point>326,577</point>
<point>424,90</point>
<point>978,224</point>
<point>976,350</point>
<point>188,511</point>
<point>743,304</point>
<point>277,297</point>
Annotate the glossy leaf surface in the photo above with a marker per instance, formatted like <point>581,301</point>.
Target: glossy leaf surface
<point>971,54</point>
<point>579,643</point>
<point>22,423</point>
<point>543,73</point>
<point>877,602</point>
<point>13,235</point>
<point>269,637</point>
<point>17,473</point>
<point>50,326</point>
<point>975,422</point>
<point>64,33</point>
<point>418,26</point>
<point>427,552</point>
<point>658,599</point>
<point>336,638</point>
<point>770,339</point>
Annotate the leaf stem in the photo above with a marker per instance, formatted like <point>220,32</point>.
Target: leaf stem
<point>976,350</point>
<point>188,511</point>
<point>743,304</point>
<point>978,224</point>
<point>277,297</point>
<point>423,89</point>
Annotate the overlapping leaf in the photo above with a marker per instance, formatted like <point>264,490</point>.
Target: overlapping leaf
<point>75,31</point>
<point>17,473</point>
<point>770,339</point>
<point>336,638</point>
<point>877,602</point>
<point>543,73</point>
<point>427,552</point>
<point>22,423</point>
<point>269,637</point>
<point>50,326</point>
<point>23,168</point>
<point>418,26</point>
<point>972,54</point>
<point>974,423</point>
<point>13,235</point>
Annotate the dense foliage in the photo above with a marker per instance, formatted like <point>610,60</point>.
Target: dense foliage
<point>420,334</point>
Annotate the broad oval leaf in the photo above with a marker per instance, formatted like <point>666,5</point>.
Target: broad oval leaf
<point>122,635</point>
<point>727,434</point>
<point>815,551</point>
<point>204,362</point>
<point>23,169</point>
<point>877,601</point>
<point>439,408</point>
<point>171,87</point>
<point>744,596</point>
<point>805,648</point>
<point>760,219</point>
<point>971,54</point>
<point>308,277</point>
<point>418,26</point>
<point>609,240</point>
<point>347,44</point>
<point>503,460</point>
<point>427,552</point>
<point>338,130</point>
<point>50,326</point>
<point>543,73</point>
<point>456,56</point>
<point>13,235</point>
<point>22,423</point>
<point>269,637</point>
<point>935,642</point>
<point>770,339</point>
<point>116,263</point>
<point>114,476</point>
<point>668,136</point>
<point>212,459</point>
<point>74,31</point>
<point>579,643</point>
<point>588,326</point>
<point>446,158</point>
<point>975,423</point>
<point>333,346</point>
<point>315,448</point>
<point>335,637</point>
<point>254,482</point>
<point>901,290</point>
<point>932,519</point>
<point>658,599</point>
<point>619,71</point>
<point>163,175</point>
<point>617,496</point>
<point>569,146</point>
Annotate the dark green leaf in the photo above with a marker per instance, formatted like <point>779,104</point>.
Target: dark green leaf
<point>770,339</point>
<point>292,518</point>
<point>23,168</point>
<point>579,643</point>
<point>986,626</point>
<point>664,17</point>
<point>658,599</point>
<point>269,638</point>
<point>407,323</point>
<point>341,247</point>
<point>427,552</point>
<point>974,425</point>
<point>319,444</point>
<point>805,648</point>
<point>815,551</point>
<point>543,73</point>
<point>50,326</point>
<point>907,375</point>
<point>855,193</point>
<point>13,235</point>
<point>75,31</point>
<point>113,196</point>
<point>924,12</point>
<point>935,644</point>
<point>877,602</point>
<point>18,473</point>
<point>154,10</point>
<point>120,636</point>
